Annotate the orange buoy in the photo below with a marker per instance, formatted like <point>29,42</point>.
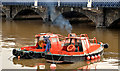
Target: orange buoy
<point>88,62</point>
<point>71,48</point>
<point>98,59</point>
<point>53,66</point>
<point>95,56</point>
<point>98,56</point>
<point>92,61</point>
<point>88,57</point>
<point>95,60</point>
<point>18,57</point>
<point>92,57</point>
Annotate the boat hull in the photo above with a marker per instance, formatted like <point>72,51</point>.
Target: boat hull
<point>27,55</point>
<point>68,59</point>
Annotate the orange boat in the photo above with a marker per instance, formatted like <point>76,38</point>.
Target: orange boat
<point>45,41</point>
<point>75,48</point>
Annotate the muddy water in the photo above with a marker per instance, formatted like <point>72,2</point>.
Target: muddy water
<point>16,34</point>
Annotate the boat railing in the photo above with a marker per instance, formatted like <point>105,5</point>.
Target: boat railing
<point>90,40</point>
<point>93,40</point>
<point>84,35</point>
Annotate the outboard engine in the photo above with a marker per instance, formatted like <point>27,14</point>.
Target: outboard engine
<point>105,45</point>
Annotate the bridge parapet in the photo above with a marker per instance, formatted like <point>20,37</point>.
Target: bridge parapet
<point>73,3</point>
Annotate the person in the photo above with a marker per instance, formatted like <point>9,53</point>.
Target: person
<point>47,41</point>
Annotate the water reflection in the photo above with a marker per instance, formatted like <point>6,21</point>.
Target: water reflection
<point>81,65</point>
<point>38,62</point>
<point>29,62</point>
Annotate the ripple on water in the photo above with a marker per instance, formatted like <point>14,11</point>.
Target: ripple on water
<point>9,39</point>
<point>7,44</point>
<point>114,53</point>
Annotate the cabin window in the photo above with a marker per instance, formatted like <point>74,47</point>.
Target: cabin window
<point>78,43</point>
<point>54,39</point>
<point>68,40</point>
<point>80,46</point>
<point>62,45</point>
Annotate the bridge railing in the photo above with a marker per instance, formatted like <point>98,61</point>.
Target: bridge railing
<point>78,3</point>
<point>106,3</point>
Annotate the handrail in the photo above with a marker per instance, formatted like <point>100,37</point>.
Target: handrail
<point>94,39</point>
<point>85,35</point>
<point>72,34</point>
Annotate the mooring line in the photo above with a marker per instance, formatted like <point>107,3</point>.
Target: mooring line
<point>53,59</point>
<point>59,59</point>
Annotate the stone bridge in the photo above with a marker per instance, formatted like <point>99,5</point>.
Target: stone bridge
<point>100,16</point>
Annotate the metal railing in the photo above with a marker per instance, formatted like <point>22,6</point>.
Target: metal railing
<point>77,3</point>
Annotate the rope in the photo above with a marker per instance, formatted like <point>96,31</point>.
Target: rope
<point>59,59</point>
<point>53,59</point>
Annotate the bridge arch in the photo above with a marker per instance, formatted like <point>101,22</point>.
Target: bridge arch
<point>77,14</point>
<point>27,11</point>
<point>4,13</point>
<point>115,24</point>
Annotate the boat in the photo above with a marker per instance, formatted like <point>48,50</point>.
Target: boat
<point>76,48</point>
<point>44,42</point>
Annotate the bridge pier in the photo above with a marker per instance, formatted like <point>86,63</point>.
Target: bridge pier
<point>8,16</point>
<point>99,20</point>
<point>8,12</point>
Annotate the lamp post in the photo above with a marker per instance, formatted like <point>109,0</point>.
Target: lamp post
<point>89,3</point>
<point>36,3</point>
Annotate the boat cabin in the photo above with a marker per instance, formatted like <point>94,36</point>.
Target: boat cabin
<point>72,43</point>
<point>44,42</point>
<point>47,40</point>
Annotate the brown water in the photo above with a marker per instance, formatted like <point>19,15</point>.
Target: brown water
<point>16,34</point>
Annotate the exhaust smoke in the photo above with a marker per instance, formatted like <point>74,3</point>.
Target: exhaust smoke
<point>58,19</point>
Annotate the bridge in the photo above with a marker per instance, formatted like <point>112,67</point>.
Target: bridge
<point>101,12</point>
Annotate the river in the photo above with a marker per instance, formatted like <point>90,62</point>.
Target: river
<point>18,33</point>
